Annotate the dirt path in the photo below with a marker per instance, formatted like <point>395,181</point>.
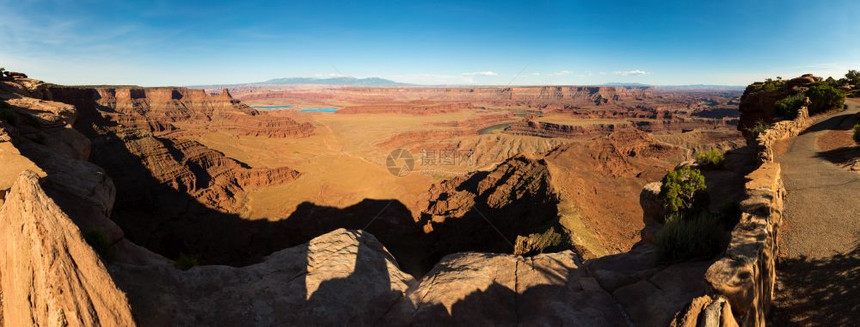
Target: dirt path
<point>820,267</point>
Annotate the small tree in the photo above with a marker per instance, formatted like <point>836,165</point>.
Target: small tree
<point>684,191</point>
<point>853,77</point>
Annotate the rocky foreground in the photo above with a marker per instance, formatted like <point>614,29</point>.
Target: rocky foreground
<point>51,276</point>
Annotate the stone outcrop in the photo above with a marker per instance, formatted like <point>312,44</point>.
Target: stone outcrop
<point>649,199</point>
<point>49,275</point>
<point>758,100</point>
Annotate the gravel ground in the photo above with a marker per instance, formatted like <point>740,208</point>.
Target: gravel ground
<point>820,252</point>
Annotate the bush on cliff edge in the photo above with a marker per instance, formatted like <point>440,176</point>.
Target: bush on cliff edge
<point>824,98</point>
<point>684,191</point>
<point>691,232</point>
<point>711,159</point>
<point>788,107</point>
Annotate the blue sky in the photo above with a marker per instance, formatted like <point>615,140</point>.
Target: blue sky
<point>435,42</point>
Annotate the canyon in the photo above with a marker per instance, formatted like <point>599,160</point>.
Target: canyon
<point>522,206</point>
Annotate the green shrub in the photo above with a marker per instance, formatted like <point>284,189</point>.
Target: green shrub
<point>759,127</point>
<point>100,243</point>
<point>684,190</point>
<point>825,98</point>
<point>788,107</point>
<point>711,159</point>
<point>857,133</point>
<point>769,85</point>
<point>186,261</point>
<point>853,77</point>
<point>689,238</point>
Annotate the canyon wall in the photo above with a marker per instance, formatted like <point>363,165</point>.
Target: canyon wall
<point>164,109</point>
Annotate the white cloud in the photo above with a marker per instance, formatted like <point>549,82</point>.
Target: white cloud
<point>487,73</point>
<point>561,73</point>
<point>535,74</point>
<point>634,72</point>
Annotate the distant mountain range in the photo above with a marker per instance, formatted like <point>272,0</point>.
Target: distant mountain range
<point>344,81</point>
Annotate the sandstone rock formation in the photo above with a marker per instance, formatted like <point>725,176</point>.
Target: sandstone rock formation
<point>49,275</point>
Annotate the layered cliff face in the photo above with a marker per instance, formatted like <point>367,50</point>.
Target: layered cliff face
<point>186,166</point>
<point>489,211</point>
<point>163,109</point>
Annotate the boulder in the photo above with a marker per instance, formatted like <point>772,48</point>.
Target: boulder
<point>649,199</point>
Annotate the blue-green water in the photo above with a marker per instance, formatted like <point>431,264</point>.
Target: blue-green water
<point>271,107</point>
<point>299,109</point>
<point>494,129</point>
<point>318,109</point>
